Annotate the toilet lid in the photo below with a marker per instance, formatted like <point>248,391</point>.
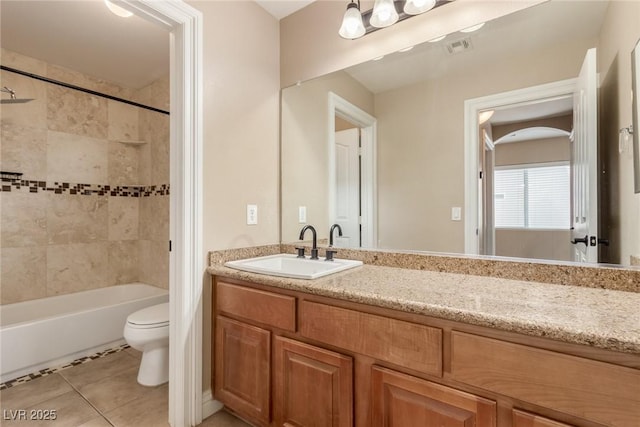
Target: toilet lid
<point>156,315</point>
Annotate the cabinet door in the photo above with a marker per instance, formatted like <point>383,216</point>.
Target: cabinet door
<point>313,386</point>
<point>400,400</point>
<point>525,419</point>
<point>242,369</point>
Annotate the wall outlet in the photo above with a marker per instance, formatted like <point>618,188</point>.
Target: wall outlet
<point>252,214</point>
<point>456,214</point>
<point>302,214</point>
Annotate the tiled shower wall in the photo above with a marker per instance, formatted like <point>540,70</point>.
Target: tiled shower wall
<point>91,211</point>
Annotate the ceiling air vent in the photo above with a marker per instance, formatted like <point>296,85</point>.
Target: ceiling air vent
<point>458,46</point>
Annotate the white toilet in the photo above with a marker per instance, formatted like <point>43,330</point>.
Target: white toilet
<point>147,330</point>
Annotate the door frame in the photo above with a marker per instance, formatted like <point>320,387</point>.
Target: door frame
<point>342,108</point>
<point>472,107</point>
<point>187,259</point>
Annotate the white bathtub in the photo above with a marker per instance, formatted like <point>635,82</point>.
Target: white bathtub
<point>49,332</point>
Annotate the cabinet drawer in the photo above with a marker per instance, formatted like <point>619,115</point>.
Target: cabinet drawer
<point>581,387</point>
<point>525,419</point>
<point>411,345</point>
<point>399,400</point>
<point>255,305</point>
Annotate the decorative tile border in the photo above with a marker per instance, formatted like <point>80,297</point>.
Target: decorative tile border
<point>9,185</point>
<point>48,371</point>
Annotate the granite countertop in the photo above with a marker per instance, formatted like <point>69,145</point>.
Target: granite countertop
<point>608,319</point>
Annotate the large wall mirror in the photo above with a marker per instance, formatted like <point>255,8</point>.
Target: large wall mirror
<point>385,148</point>
<point>635,67</point>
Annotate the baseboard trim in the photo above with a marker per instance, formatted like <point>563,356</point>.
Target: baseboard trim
<point>209,405</point>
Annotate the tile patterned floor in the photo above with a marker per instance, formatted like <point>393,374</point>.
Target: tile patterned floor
<point>102,393</point>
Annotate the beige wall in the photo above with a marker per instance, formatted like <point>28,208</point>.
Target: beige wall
<point>57,242</point>
<point>241,116</point>
<point>421,145</point>
<point>534,151</point>
<point>342,124</point>
<point>619,34</point>
<point>539,244</point>
<point>311,46</point>
<point>241,122</point>
<point>304,152</point>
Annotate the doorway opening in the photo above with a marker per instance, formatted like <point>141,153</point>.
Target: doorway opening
<point>187,260</point>
<point>526,190</point>
<point>584,176</point>
<point>352,173</point>
<point>480,142</point>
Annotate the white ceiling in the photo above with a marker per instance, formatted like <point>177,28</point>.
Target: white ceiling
<point>532,111</point>
<point>132,52</point>
<point>83,35</point>
<point>532,29</point>
<point>282,8</point>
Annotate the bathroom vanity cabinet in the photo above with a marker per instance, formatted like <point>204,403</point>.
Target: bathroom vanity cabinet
<point>290,358</point>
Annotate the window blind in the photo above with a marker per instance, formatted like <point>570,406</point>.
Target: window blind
<point>532,196</point>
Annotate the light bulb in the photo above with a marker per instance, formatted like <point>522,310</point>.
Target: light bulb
<point>117,10</point>
<point>384,14</point>
<point>352,26</point>
<point>484,116</point>
<point>416,7</point>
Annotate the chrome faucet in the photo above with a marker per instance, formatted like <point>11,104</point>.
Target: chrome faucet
<point>333,227</point>
<point>314,249</point>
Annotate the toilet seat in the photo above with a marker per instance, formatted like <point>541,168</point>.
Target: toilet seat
<point>156,316</point>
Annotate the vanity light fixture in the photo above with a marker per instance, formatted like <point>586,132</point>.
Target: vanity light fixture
<point>352,26</point>
<point>117,10</point>
<point>385,13</point>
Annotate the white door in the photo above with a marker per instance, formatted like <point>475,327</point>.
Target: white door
<point>584,215</point>
<point>348,188</point>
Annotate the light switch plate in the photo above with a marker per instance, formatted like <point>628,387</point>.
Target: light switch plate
<point>252,214</point>
<point>302,214</point>
<point>456,213</point>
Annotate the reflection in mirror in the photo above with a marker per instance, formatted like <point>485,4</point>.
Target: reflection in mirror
<point>417,100</point>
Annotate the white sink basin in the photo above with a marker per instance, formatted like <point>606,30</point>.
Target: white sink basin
<point>288,265</point>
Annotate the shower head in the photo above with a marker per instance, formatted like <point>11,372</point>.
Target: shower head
<point>13,99</point>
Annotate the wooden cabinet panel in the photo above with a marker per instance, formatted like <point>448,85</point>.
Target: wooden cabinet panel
<point>525,419</point>
<point>585,388</point>
<point>400,400</point>
<point>242,369</point>
<point>255,305</point>
<point>411,345</point>
<point>313,386</point>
